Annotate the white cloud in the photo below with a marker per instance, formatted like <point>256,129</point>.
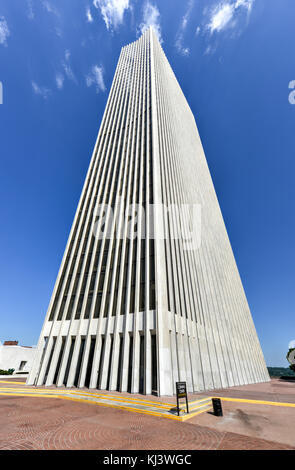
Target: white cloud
<point>224,14</point>
<point>112,11</point>
<point>66,71</point>
<point>59,78</point>
<point>181,49</point>
<point>30,14</point>
<point>151,17</point>
<point>67,67</point>
<point>221,17</point>
<point>95,77</point>
<point>208,50</point>
<point>58,31</point>
<point>4,31</point>
<point>88,15</point>
<point>42,91</point>
<point>245,3</point>
<point>180,34</point>
<point>50,8</point>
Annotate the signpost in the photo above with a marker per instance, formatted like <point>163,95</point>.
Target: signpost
<point>181,393</point>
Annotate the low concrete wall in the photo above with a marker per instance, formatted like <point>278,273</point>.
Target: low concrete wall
<point>11,357</point>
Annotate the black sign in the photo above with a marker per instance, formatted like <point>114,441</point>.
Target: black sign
<point>181,393</point>
<point>181,389</point>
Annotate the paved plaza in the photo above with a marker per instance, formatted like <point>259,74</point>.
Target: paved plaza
<point>259,416</point>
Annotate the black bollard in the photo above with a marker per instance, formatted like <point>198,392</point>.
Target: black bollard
<point>217,408</point>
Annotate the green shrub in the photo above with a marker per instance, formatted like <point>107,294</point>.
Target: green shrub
<point>6,372</point>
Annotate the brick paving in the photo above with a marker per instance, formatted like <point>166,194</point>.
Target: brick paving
<point>44,423</point>
<point>276,390</point>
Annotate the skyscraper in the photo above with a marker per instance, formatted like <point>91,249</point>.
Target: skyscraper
<point>143,298</point>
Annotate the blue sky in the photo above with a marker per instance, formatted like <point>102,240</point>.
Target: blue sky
<point>234,60</point>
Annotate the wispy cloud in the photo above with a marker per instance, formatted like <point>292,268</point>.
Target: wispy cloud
<point>151,17</point>
<point>59,78</point>
<point>50,8</point>
<point>88,15</point>
<point>4,31</point>
<point>58,31</point>
<point>210,49</point>
<point>30,12</point>
<point>65,72</point>
<point>42,91</point>
<point>221,17</point>
<point>180,34</point>
<point>224,14</point>
<point>67,67</point>
<point>112,11</point>
<point>95,77</point>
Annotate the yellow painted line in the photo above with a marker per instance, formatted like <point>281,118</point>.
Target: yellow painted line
<point>128,399</point>
<point>98,396</point>
<point>191,415</point>
<point>258,402</point>
<point>26,395</point>
<point>136,410</point>
<point>195,406</point>
<point>51,392</point>
<point>116,397</point>
<point>30,391</point>
<point>126,408</point>
<point>131,399</point>
<point>113,397</point>
<point>199,401</point>
<point>55,394</point>
<point>10,382</point>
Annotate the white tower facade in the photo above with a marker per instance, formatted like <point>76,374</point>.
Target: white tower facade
<point>136,307</point>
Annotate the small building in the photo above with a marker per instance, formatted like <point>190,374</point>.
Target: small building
<point>14,356</point>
